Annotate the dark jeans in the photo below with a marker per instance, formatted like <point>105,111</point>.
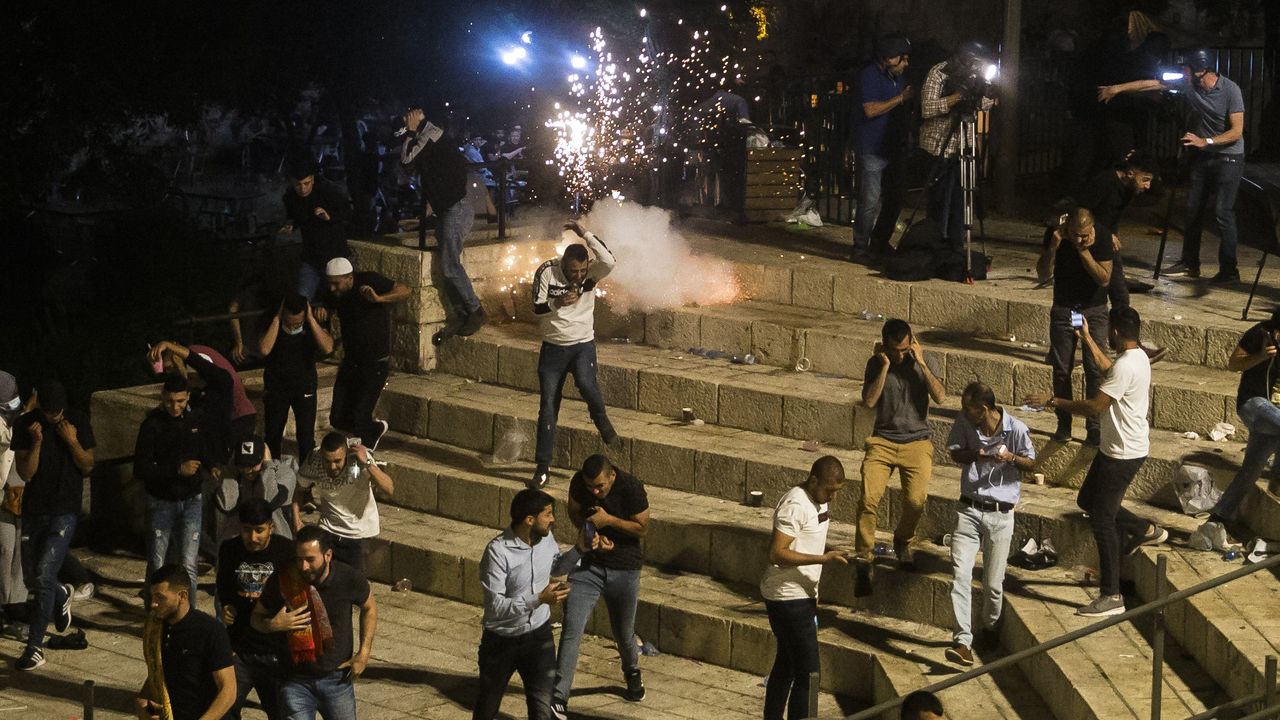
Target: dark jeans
<point>795,625</point>
<point>946,202</point>
<point>45,542</point>
<point>1218,174</point>
<point>276,405</point>
<point>349,551</point>
<point>262,673</point>
<point>452,226</point>
<point>555,362</point>
<point>1062,354</point>
<point>355,394</point>
<point>882,185</point>
<point>533,655</point>
<point>1101,496</point>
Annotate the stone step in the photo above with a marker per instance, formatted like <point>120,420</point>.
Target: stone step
<point>870,659</point>
<point>1228,630</point>
<point>806,406</point>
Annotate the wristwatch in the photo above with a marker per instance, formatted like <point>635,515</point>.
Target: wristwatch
<point>1208,141</point>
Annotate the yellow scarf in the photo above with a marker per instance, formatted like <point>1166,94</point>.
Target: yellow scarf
<point>155,690</point>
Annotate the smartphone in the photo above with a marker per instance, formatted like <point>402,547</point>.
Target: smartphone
<point>588,533</point>
<point>1077,320</point>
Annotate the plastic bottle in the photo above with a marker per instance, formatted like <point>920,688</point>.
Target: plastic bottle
<point>402,585</point>
<point>1231,555</point>
<point>881,549</point>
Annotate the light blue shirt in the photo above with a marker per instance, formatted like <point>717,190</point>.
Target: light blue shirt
<point>512,574</point>
<point>988,479</point>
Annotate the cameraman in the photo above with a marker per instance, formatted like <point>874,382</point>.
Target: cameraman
<point>950,89</point>
<point>880,144</point>
<point>1215,114</point>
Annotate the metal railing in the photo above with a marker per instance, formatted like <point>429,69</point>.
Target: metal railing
<point>1268,697</point>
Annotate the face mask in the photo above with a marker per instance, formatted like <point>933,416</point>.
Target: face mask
<point>12,404</point>
<point>294,331</point>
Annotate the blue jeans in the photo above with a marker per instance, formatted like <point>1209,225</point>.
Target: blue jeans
<point>1219,174</point>
<point>795,626</point>
<point>555,362</point>
<point>45,542</point>
<point>332,695</point>
<point>621,589</point>
<point>1262,417</point>
<point>176,522</point>
<point>309,280</point>
<point>452,228</point>
<point>990,531</point>
<point>868,170</point>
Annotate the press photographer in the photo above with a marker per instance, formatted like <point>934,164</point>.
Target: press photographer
<point>953,91</point>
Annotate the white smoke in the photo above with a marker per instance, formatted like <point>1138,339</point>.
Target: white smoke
<point>656,269</point>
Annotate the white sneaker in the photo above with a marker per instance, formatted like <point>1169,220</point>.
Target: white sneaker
<point>84,592</point>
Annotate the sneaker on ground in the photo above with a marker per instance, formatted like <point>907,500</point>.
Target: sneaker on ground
<point>540,477</point>
<point>559,710</point>
<point>474,322</point>
<point>906,556</point>
<point>960,655</point>
<point>1103,606</point>
<point>1225,277</point>
<point>30,660</point>
<point>381,433</point>
<point>1154,536</point>
<point>63,620</point>
<point>635,687</point>
<point>1181,269</point>
<point>84,592</point>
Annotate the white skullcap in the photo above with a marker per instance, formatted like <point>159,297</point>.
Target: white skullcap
<point>338,266</point>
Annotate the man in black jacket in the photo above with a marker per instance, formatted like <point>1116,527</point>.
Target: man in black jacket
<point>172,457</point>
<point>319,210</point>
<point>443,172</point>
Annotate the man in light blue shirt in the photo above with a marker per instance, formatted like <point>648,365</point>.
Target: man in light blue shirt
<point>516,574</point>
<point>994,449</point>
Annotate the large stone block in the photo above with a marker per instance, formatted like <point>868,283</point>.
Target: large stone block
<point>1029,322</point>
<point>405,413</point>
<point>773,480</point>
<point>721,476</point>
<point>959,311</point>
<point>517,368</point>
<point>666,465</point>
<point>474,360</point>
<point>738,555</point>
<point>695,634</point>
<point>618,386</point>
<point>1029,378</point>
<point>471,501</point>
<point>1220,342</point>
<point>585,442</point>
<point>728,334</point>
<point>753,646</point>
<point>1185,342</point>
<point>750,409</point>
<point>672,329</point>
<point>405,266</point>
<point>377,560</point>
<point>115,416</point>
<point>768,283</point>
<point>825,421</point>
<point>835,354</point>
<point>776,344</point>
<point>415,487</point>
<point>1184,409</point>
<point>666,394</point>
<point>679,545</point>
<point>811,289</point>
<point>964,368</point>
<point>843,670</point>
<point>460,425</point>
<point>853,294</point>
<point>430,572</point>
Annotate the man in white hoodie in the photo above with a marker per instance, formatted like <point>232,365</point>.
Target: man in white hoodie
<point>564,300</point>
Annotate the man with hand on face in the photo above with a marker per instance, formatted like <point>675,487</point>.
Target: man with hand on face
<point>291,344</point>
<point>340,480</point>
<point>797,553</point>
<point>190,671</point>
<point>564,300</point>
<point>517,614</point>
<point>363,302</point>
<point>1077,255</point>
<point>53,452</point>
<point>320,211</point>
<point>900,380</point>
<point>606,501</point>
<point>310,601</point>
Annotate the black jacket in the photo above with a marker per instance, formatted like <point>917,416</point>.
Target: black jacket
<point>164,443</point>
<point>322,240</point>
<point>442,169</point>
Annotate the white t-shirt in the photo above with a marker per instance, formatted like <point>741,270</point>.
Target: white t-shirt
<point>800,517</point>
<point>1125,435</point>
<point>347,506</point>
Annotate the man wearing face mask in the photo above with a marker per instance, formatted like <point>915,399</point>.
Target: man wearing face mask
<point>880,144</point>
<point>291,344</point>
<point>1215,139</point>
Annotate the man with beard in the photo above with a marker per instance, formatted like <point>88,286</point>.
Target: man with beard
<point>340,481</point>
<point>244,565</point>
<point>311,602</point>
<point>259,476</point>
<point>522,573</point>
<point>190,674</point>
<point>880,131</point>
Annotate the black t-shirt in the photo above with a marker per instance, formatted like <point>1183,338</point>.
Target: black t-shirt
<point>340,592</point>
<point>366,325</point>
<point>626,499</point>
<point>322,240</point>
<point>192,650</point>
<point>291,366</point>
<point>58,485</point>
<point>1106,196</point>
<point>1258,380</point>
<point>1073,286</point>
<point>241,577</point>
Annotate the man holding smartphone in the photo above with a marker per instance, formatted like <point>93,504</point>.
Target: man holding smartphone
<point>1080,266</point>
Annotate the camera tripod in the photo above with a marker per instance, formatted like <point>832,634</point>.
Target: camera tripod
<point>967,123</point>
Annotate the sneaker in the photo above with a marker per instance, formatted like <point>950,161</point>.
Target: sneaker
<point>451,328</point>
<point>540,477</point>
<point>1154,536</point>
<point>63,620</point>
<point>635,687</point>
<point>16,631</point>
<point>960,655</point>
<point>474,322</point>
<point>384,426</point>
<point>559,710</point>
<point>906,556</point>
<point>1103,606</point>
<point>1181,269</point>
<point>84,592</point>
<point>862,578</point>
<point>1225,277</point>
<point>31,659</point>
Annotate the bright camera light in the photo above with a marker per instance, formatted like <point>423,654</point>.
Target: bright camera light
<point>1171,76</point>
<point>513,55</point>
<point>643,12</point>
<point>578,62</point>
<point>526,37</point>
<point>989,72</point>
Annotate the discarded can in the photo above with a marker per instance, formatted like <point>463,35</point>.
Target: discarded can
<point>1231,555</point>
<point>803,365</point>
<point>686,414</point>
<point>402,585</point>
<point>881,549</point>
<point>755,498</point>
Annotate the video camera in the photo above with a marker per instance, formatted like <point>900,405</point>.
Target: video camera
<point>1196,61</point>
<point>972,71</point>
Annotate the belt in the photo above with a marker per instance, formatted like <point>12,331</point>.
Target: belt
<point>986,505</point>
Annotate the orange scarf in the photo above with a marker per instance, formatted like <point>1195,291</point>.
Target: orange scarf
<point>311,642</point>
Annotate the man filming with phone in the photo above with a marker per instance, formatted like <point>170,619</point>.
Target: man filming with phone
<point>1080,266</point>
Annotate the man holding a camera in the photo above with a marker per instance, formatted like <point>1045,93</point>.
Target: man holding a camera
<point>1078,256</point>
<point>951,89</point>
